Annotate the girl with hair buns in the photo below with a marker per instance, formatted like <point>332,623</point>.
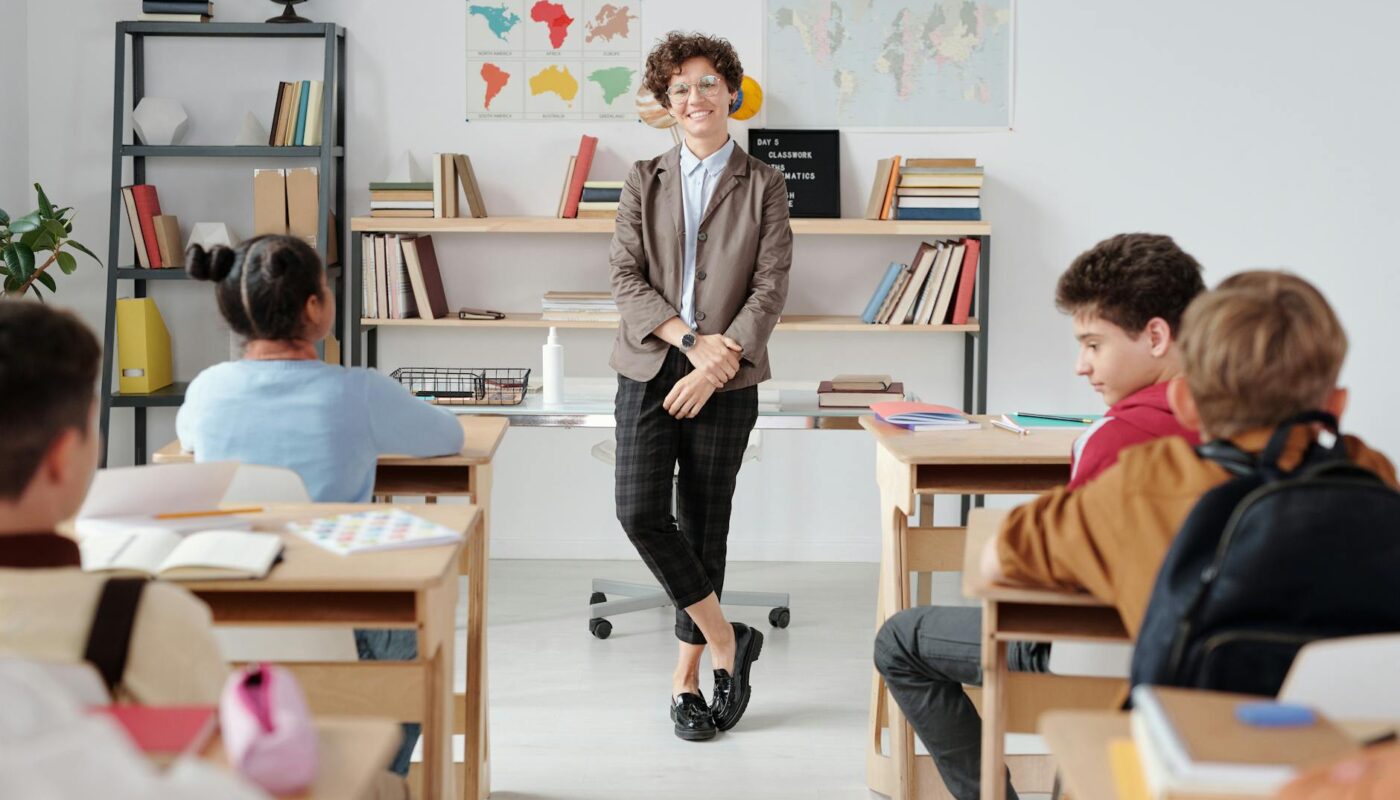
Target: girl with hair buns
<point>280,405</point>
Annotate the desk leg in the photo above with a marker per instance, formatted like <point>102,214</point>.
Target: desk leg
<point>895,773</point>
<point>436,639</point>
<point>993,707</point>
<point>477,730</point>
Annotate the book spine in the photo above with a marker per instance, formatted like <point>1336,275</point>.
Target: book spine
<point>313,113</point>
<point>946,214</point>
<point>177,7</point>
<point>876,300</point>
<point>147,208</point>
<point>601,195</point>
<point>587,146</point>
<point>302,100</point>
<point>967,281</point>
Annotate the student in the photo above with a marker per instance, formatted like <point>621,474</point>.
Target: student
<point>280,405</point>
<point>49,445</point>
<point>1126,295</point>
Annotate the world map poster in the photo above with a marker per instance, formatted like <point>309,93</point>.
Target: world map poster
<point>553,59</point>
<point>878,64</point>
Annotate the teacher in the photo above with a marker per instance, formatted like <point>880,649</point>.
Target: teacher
<point>700,261</point>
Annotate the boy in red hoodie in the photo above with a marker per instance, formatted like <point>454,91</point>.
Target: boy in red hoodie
<point>1126,296</point>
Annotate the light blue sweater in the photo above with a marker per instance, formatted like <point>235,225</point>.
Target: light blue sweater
<point>327,423</point>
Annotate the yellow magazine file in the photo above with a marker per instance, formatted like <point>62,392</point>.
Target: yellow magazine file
<point>143,347</point>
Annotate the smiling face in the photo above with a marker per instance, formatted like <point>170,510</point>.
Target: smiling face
<point>702,118</point>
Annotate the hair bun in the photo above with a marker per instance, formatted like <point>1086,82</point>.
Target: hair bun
<point>209,265</point>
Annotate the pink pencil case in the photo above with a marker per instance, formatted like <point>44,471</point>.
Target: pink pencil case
<point>267,731</point>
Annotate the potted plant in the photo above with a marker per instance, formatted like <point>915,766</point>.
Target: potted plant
<point>24,240</point>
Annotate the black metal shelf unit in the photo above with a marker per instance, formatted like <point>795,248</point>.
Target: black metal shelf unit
<point>330,157</point>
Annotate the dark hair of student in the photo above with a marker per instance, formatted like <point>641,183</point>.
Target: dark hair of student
<point>666,58</point>
<point>1131,278</point>
<point>262,285</point>
<point>48,375</point>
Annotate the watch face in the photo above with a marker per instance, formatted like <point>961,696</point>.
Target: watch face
<point>688,341</point>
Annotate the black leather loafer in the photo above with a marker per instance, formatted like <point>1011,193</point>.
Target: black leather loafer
<point>732,691</point>
<point>694,721</point>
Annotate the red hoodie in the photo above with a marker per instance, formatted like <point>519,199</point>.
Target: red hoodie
<point>1140,417</point>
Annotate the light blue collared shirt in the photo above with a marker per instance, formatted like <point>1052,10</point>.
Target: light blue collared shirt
<point>700,179</point>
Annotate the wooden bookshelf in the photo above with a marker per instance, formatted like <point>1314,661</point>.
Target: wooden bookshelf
<point>790,322</point>
<point>800,227</point>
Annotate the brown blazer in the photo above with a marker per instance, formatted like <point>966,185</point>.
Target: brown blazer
<point>741,262</point>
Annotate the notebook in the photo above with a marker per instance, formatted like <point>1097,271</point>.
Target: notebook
<point>126,498</point>
<point>923,416</point>
<point>373,531</point>
<point>1024,421</point>
<point>205,556</point>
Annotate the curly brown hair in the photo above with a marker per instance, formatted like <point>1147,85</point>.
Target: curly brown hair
<point>666,58</point>
<point>1129,280</point>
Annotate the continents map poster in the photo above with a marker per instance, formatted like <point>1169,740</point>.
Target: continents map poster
<point>882,64</point>
<point>553,59</point>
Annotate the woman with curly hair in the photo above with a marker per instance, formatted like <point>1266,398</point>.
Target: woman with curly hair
<point>700,260</point>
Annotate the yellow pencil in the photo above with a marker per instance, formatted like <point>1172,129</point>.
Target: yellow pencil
<point>217,512</point>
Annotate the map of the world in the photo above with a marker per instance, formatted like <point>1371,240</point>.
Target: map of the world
<point>553,59</point>
<point>888,63</point>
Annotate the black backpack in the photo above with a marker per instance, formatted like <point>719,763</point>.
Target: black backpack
<point>1268,562</point>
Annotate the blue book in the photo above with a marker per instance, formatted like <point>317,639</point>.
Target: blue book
<point>601,195</point>
<point>959,214</point>
<point>878,299</point>
<point>300,139</point>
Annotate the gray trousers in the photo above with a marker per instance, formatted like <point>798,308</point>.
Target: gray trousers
<point>926,656</point>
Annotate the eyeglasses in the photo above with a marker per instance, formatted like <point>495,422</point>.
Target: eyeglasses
<point>707,86</point>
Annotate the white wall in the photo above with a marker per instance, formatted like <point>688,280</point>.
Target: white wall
<point>1256,133</point>
<point>15,192</point>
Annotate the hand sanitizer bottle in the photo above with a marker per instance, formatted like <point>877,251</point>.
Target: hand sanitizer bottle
<point>553,369</point>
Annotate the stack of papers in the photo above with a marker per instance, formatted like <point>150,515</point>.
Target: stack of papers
<point>923,416</point>
<point>373,531</point>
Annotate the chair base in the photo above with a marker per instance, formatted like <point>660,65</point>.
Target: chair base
<point>643,596</point>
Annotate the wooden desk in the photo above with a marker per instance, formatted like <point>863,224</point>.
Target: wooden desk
<point>353,753</point>
<point>1012,614</point>
<point>912,467</point>
<point>467,473</point>
<point>414,589</point>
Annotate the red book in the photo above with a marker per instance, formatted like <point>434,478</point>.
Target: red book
<point>165,730</point>
<point>587,146</point>
<point>147,209</point>
<point>967,281</point>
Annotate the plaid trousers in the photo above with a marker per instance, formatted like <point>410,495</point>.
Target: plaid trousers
<point>686,549</point>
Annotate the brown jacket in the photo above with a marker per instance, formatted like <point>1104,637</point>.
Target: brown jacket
<point>741,262</point>
<point>1110,536</point>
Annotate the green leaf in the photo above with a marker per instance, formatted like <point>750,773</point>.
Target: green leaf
<point>82,249</point>
<point>66,262</point>
<point>45,207</point>
<point>47,279</point>
<point>12,283</point>
<point>55,229</point>
<point>22,265</point>
<point>4,218</point>
<point>37,240</point>
<point>26,223</point>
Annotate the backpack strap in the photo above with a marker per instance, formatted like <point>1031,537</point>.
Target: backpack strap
<point>1228,455</point>
<point>109,639</point>
<point>1268,459</point>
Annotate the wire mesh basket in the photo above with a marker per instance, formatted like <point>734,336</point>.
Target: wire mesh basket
<point>460,386</point>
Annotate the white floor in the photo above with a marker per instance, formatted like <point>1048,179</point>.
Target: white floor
<point>576,717</point>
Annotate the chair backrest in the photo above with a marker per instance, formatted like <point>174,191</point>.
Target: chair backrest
<point>254,483</point>
<point>1091,659</point>
<point>1351,678</point>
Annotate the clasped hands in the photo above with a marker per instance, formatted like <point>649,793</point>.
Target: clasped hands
<point>716,361</point>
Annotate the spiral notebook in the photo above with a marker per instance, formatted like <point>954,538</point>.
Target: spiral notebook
<point>373,531</point>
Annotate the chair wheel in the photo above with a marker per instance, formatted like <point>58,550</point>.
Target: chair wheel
<point>600,628</point>
<point>596,598</point>
<point>779,617</point>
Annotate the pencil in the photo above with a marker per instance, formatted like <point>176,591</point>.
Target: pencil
<point>216,512</point>
<point>1056,417</point>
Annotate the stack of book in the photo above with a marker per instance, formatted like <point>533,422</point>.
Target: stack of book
<point>947,189</point>
<point>156,235</point>
<point>858,391</point>
<point>430,199</point>
<point>923,416</point>
<point>576,176</point>
<point>600,199</point>
<point>401,199</point>
<point>176,10</point>
<point>297,115</point>
<point>934,288</point>
<point>401,277</point>
<point>579,307</point>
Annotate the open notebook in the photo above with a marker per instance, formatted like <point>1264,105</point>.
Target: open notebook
<point>205,556</point>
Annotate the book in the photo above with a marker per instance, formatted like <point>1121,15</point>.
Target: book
<point>381,277</point>
<point>401,186</point>
<point>568,181</point>
<point>173,17</point>
<point>859,383</point>
<point>916,180</point>
<point>289,135</point>
<point>938,191</point>
<point>401,299</point>
<point>402,205</point>
<point>391,195</point>
<point>878,189</point>
<point>597,205</point>
<point>415,213</point>
<point>368,308</point>
<point>940,162</point>
<point>615,186</point>
<point>920,264</point>
<point>922,416</point>
<point>597,213</point>
<point>910,169</point>
<point>1191,741</point>
<point>940,202</point>
<point>591,195</point>
<point>924,311</point>
<point>164,733</point>
<point>479,313</point>
<point>315,99</point>
<point>939,313</point>
<point>269,201</point>
<point>134,221</point>
<point>147,208</point>
<point>303,106</point>
<point>889,189</point>
<point>882,290</point>
<point>281,115</point>
<point>467,176</point>
<point>425,277</point>
<point>373,531</point>
<point>967,281</point>
<point>168,240</point>
<point>121,499</point>
<point>828,397</point>
<point>882,317</point>
<point>1128,779</point>
<point>207,555</point>
<point>587,146</point>
<point>582,316</point>
<point>947,214</point>
<point>177,7</point>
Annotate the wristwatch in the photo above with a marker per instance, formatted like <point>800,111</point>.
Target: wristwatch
<point>687,342</point>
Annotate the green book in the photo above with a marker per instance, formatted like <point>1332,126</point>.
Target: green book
<point>389,186</point>
<point>1026,420</point>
